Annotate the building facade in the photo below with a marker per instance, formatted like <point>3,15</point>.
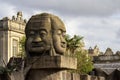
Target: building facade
<point>108,62</point>
<point>93,51</point>
<point>11,32</point>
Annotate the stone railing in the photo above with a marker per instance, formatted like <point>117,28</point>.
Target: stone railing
<point>107,65</point>
<point>109,58</point>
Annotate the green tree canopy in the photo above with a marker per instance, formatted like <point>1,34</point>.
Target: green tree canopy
<point>22,47</point>
<point>75,48</point>
<point>74,43</point>
<point>84,62</point>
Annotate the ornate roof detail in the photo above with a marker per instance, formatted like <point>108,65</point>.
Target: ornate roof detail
<point>108,51</point>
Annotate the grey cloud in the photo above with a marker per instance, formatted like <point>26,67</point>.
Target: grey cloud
<point>6,10</point>
<point>100,31</point>
<point>118,34</point>
<point>92,25</point>
<point>70,7</point>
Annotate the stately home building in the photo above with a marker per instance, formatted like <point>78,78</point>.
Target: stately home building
<point>11,32</point>
<point>107,62</point>
<point>94,51</point>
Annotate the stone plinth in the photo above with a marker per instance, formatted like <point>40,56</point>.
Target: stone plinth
<point>75,76</point>
<point>50,67</point>
<point>58,62</point>
<point>48,75</point>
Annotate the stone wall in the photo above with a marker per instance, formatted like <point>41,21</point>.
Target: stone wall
<point>88,77</point>
<point>62,76</point>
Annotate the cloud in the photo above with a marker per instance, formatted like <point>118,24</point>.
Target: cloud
<point>98,21</point>
<point>6,10</point>
<point>118,34</point>
<point>70,7</point>
<point>96,31</point>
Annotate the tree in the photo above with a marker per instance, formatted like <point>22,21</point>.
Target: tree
<point>22,47</point>
<point>74,43</point>
<point>84,62</point>
<point>75,48</point>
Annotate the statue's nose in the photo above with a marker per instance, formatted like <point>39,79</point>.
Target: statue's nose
<point>37,39</point>
<point>63,40</point>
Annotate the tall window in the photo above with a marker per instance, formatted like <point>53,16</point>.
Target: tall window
<point>15,47</point>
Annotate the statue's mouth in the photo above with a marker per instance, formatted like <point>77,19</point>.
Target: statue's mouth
<point>41,44</point>
<point>63,45</point>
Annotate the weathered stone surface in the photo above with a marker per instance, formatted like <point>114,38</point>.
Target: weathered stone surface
<point>88,77</point>
<point>105,59</point>
<point>93,77</point>
<point>45,47</point>
<point>66,76</point>
<point>100,78</point>
<point>48,75</point>
<point>16,75</point>
<point>45,35</point>
<point>75,76</point>
<point>108,51</point>
<point>85,77</point>
<point>59,62</point>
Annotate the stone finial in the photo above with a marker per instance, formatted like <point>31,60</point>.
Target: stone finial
<point>5,18</point>
<point>90,50</point>
<point>45,35</point>
<point>19,16</point>
<point>25,21</point>
<point>96,50</point>
<point>96,47</point>
<point>13,18</point>
<point>118,53</point>
<point>108,51</point>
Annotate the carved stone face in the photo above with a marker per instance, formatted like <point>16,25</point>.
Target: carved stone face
<point>44,32</point>
<point>59,32</point>
<point>38,36</point>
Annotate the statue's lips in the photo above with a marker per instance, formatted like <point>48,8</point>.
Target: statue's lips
<point>63,45</point>
<point>38,44</point>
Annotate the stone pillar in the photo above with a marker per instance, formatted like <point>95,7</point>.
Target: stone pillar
<point>85,77</point>
<point>50,67</point>
<point>101,78</point>
<point>75,76</point>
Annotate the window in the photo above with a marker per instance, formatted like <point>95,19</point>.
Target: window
<point>15,47</point>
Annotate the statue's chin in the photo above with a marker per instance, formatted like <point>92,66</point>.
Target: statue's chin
<point>35,53</point>
<point>60,50</point>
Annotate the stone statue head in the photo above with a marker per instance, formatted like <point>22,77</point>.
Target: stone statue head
<point>45,35</point>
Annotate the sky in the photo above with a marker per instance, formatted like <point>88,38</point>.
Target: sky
<point>98,21</point>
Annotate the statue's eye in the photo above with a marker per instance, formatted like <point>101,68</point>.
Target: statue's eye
<point>62,33</point>
<point>31,32</point>
<point>43,33</point>
<point>59,32</point>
